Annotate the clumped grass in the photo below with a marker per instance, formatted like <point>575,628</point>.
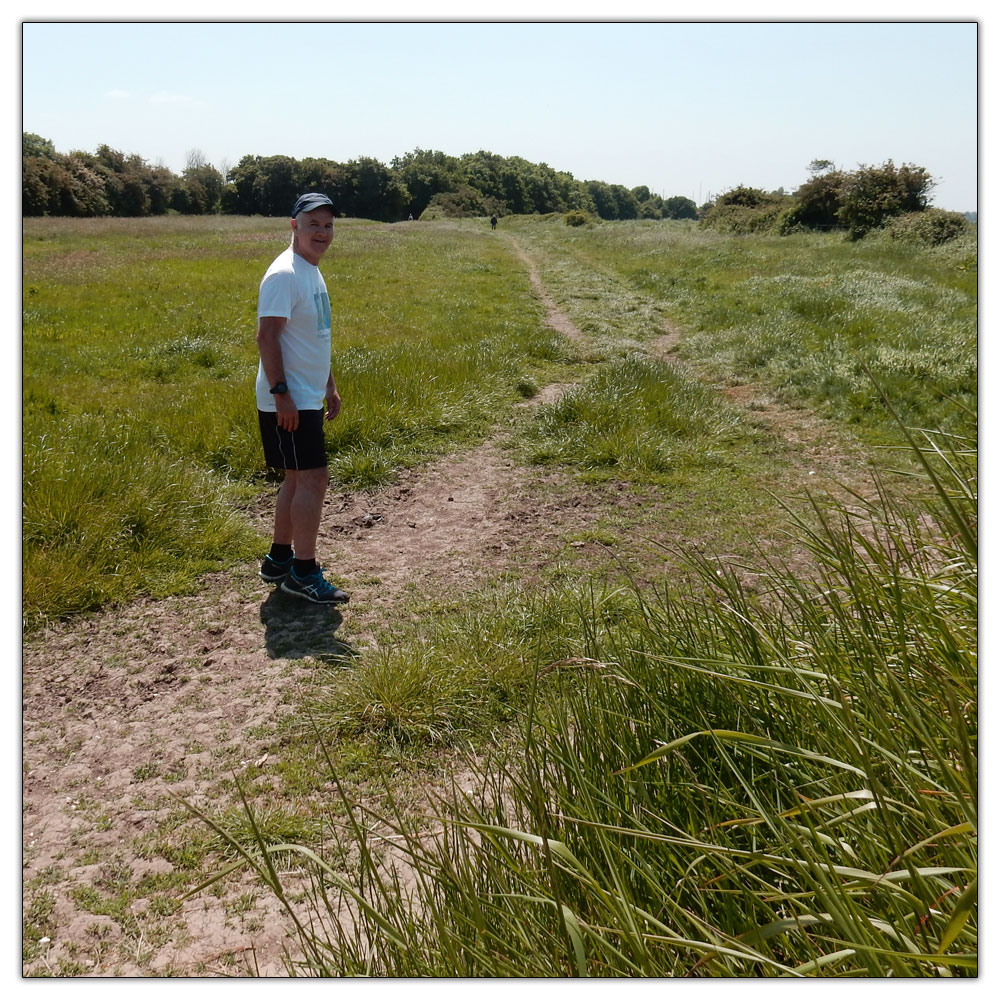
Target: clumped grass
<point>107,515</point>
<point>469,669</point>
<point>772,784</point>
<point>636,418</point>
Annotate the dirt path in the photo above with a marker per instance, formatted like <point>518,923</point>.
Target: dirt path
<point>126,709</point>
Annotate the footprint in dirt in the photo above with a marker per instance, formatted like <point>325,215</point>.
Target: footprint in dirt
<point>294,629</point>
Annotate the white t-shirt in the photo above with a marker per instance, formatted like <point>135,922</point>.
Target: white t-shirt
<point>294,289</point>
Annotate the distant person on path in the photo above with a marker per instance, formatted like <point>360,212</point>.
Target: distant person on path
<point>493,222</point>
<point>295,385</point>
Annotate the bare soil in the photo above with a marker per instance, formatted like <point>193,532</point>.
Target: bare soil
<point>127,711</point>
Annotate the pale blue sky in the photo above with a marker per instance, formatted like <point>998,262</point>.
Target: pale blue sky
<point>685,108</point>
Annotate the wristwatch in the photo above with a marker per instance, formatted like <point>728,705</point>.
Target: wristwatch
<point>279,389</point>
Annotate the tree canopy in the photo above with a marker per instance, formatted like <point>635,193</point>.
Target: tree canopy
<point>430,183</point>
<point>109,182</point>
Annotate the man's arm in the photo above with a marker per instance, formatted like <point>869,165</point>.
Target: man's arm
<point>332,398</point>
<point>269,331</point>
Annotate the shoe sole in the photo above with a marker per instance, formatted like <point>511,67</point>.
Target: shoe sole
<point>272,579</point>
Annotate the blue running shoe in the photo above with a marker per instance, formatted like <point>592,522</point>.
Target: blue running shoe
<point>274,570</point>
<point>313,588</point>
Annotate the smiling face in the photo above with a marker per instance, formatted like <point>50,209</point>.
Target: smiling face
<point>312,233</point>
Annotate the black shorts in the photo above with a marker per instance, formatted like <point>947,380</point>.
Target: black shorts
<point>304,448</point>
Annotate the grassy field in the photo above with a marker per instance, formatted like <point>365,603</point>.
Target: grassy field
<point>140,437</point>
<point>139,433</point>
<point>764,765</point>
<point>816,320</point>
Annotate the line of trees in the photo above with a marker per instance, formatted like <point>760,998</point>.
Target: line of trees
<point>108,182</point>
<point>422,183</point>
<point>431,184</point>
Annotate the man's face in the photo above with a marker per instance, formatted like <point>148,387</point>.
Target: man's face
<point>312,233</point>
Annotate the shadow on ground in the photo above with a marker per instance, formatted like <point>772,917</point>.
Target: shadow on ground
<point>294,629</point>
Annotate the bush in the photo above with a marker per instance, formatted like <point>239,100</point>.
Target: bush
<point>577,218</point>
<point>465,202</point>
<point>679,207</point>
<point>872,195</point>
<point>744,196</point>
<point>817,204</point>
<point>742,220</point>
<point>931,227</point>
<point>746,210</point>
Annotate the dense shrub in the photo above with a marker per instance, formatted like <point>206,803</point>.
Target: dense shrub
<point>860,201</point>
<point>745,210</point>
<point>745,197</point>
<point>576,218</point>
<point>464,202</point>
<point>931,227</point>
<point>679,207</point>
<point>872,195</point>
<point>743,219</point>
<point>817,204</point>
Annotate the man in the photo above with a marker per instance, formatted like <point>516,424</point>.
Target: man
<point>294,385</point>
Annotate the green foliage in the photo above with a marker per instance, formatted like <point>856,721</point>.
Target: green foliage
<point>200,191</point>
<point>362,188</point>
<point>576,218</point>
<point>106,182</point>
<point>369,190</point>
<point>612,201</point>
<point>872,195</point>
<point>650,209</point>
<point>70,186</point>
<point>430,184</point>
<point>679,207</point>
<point>745,197</point>
<point>859,201</point>
<point>34,145</point>
<point>426,173</point>
<point>463,202</point>
<point>424,183</point>
<point>931,227</point>
<point>742,220</point>
<point>744,210</point>
<point>817,203</point>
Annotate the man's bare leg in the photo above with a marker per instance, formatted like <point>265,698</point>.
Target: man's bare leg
<point>298,513</point>
<point>283,511</point>
<point>299,510</point>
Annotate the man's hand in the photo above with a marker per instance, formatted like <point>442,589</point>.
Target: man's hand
<point>288,413</point>
<point>332,403</point>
